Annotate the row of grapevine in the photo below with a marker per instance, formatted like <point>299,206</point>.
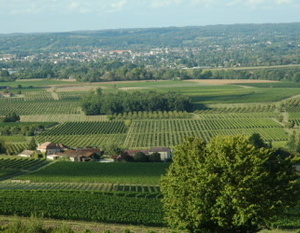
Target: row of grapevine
<point>37,96</point>
<point>39,107</point>
<point>249,115</point>
<point>237,108</point>
<point>153,115</point>
<point>99,187</point>
<point>149,133</point>
<point>148,126</point>
<point>84,140</point>
<point>85,128</point>
<point>145,133</point>
<point>11,99</point>
<point>292,102</point>
<point>109,173</point>
<point>21,163</point>
<point>15,148</point>
<point>173,138</point>
<point>89,206</point>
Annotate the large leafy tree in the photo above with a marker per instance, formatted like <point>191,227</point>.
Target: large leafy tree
<point>228,185</point>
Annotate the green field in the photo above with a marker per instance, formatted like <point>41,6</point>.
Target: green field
<point>119,173</point>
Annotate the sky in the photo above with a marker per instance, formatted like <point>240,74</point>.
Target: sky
<point>24,16</point>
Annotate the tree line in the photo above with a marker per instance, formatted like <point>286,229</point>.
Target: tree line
<point>114,70</point>
<point>114,103</point>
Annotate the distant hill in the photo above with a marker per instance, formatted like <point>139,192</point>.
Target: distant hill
<point>285,35</point>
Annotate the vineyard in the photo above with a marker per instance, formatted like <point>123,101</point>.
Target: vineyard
<point>77,186</point>
<point>22,107</point>
<point>84,141</point>
<point>90,206</point>
<point>86,191</point>
<point>164,132</point>
<point>116,173</point>
<point>15,148</point>
<point>152,115</point>
<point>21,163</point>
<point>71,95</point>
<point>85,128</point>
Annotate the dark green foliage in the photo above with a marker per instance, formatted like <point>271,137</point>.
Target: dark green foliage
<point>122,157</point>
<point>4,73</point>
<point>294,141</point>
<point>140,157</point>
<point>11,117</point>
<point>120,102</point>
<point>229,185</point>
<point>154,157</point>
<point>6,77</point>
<point>257,141</point>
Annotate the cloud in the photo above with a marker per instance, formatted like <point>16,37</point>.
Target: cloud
<point>201,2</point>
<point>255,3</point>
<point>284,1</point>
<point>119,4</point>
<point>164,3</point>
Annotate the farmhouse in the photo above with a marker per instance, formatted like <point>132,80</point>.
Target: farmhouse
<point>50,148</point>
<point>27,153</point>
<point>82,155</point>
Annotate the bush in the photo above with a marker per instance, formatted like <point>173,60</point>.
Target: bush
<point>155,157</point>
<point>140,157</point>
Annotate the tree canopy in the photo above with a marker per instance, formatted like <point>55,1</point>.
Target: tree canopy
<point>228,185</point>
<point>99,103</point>
<point>11,117</point>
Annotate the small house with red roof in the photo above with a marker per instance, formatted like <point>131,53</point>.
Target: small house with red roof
<point>50,148</point>
<point>82,155</point>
